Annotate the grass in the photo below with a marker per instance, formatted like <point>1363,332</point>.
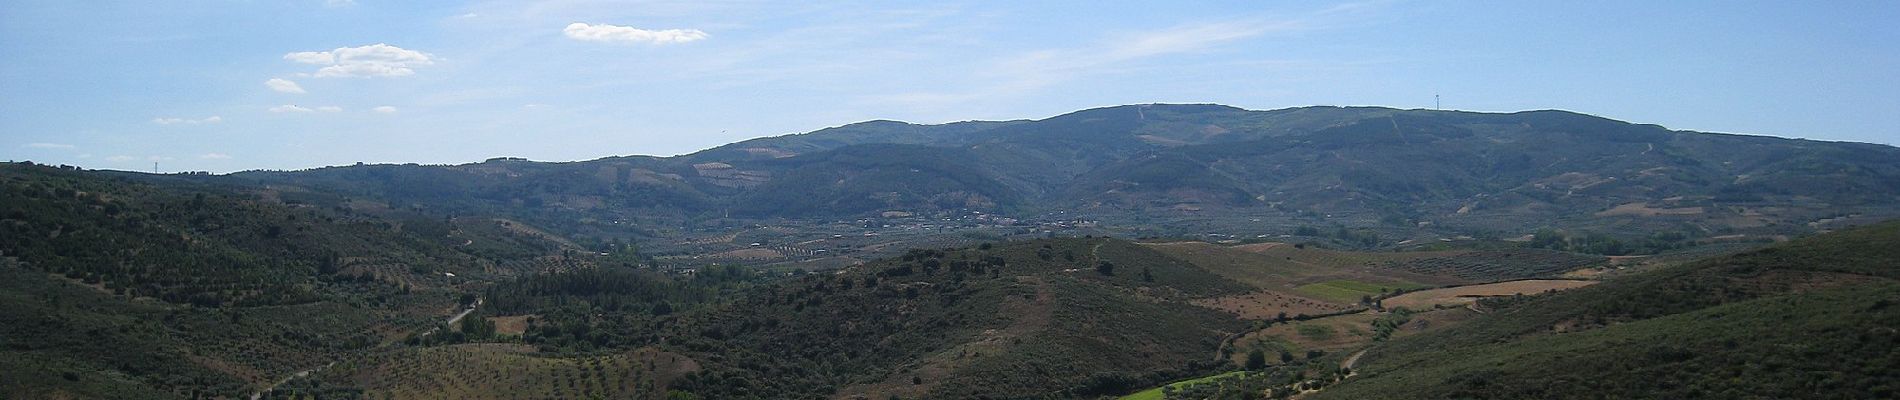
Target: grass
<point>1316,332</point>
<point>1350,291</point>
<point>1155,393</point>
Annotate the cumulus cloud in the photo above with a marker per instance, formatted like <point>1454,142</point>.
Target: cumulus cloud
<point>187,121</point>
<point>283,85</point>
<point>376,60</point>
<point>48,145</point>
<point>384,110</point>
<point>214,156</point>
<point>626,34</point>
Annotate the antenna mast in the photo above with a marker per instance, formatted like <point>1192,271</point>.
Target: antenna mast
<point>154,167</point>
<point>1435,104</point>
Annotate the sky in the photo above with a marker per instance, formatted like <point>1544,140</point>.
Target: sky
<point>231,85</point>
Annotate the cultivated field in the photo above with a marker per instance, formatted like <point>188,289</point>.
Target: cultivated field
<point>1427,299</point>
<point>1351,291</point>
<point>511,371</point>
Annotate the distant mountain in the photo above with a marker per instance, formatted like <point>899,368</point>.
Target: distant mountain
<point>1445,171</point>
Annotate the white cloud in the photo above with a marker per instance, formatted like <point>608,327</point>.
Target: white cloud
<point>215,156</point>
<point>293,108</point>
<point>48,145</point>
<point>187,121</point>
<point>627,34</point>
<point>283,85</point>
<point>1036,70</point>
<point>384,110</point>
<point>376,60</point>
<point>311,57</point>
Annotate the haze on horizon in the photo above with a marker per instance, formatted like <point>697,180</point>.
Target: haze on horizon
<point>226,86</point>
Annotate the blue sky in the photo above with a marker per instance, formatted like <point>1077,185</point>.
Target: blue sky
<point>226,85</point>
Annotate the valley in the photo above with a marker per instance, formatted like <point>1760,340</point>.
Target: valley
<point>1146,252</point>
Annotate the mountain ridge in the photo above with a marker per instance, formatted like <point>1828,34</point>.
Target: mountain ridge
<point>1419,174</point>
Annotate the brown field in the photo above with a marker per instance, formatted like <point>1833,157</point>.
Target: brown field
<point>511,325</point>
<point>1328,334</point>
<point>1281,267</point>
<point>1258,247</point>
<point>1644,210</point>
<point>1268,304</point>
<point>750,254</point>
<point>1435,319</point>
<point>1427,299</point>
<point>1336,334</point>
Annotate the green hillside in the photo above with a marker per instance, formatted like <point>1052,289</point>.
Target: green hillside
<point>154,287</point>
<point>1809,317</point>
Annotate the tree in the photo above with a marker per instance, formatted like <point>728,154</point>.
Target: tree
<point>1256,359</point>
<point>1105,268</point>
<point>1286,356</point>
<point>1147,276</point>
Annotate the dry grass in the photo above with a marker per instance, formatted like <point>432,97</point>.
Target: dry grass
<point>1454,296</point>
<point>511,325</point>
<point>1644,210</point>
<point>1269,304</point>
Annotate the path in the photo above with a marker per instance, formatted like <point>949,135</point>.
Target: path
<point>1350,361</point>
<point>464,313</point>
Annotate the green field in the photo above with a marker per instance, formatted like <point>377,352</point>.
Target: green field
<point>1350,291</point>
<point>1155,393</point>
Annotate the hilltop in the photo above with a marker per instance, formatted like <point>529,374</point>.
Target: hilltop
<point>1406,174</point>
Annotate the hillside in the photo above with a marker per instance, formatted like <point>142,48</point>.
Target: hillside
<point>1417,174</point>
<point>1811,316</point>
<point>151,287</point>
<point>206,289</point>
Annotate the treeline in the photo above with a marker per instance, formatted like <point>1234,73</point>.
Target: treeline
<point>1597,243</point>
<point>611,290</point>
